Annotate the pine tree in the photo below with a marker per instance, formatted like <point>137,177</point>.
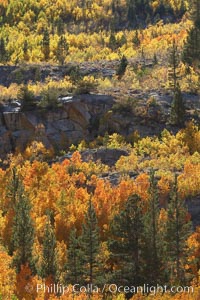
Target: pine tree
<point>60,27</point>
<point>49,262</point>
<point>74,270</point>
<point>122,66</point>
<point>177,114</point>
<point>152,236</point>
<point>122,41</point>
<point>136,40</point>
<point>90,246</point>
<point>23,231</point>
<point>112,42</point>
<point>126,243</point>
<point>26,97</point>
<point>131,12</point>
<point>174,61</point>
<point>25,50</point>
<point>46,44</point>
<point>177,230</point>
<point>62,50</point>
<point>155,59</point>
<point>191,51</point>
<point>2,51</point>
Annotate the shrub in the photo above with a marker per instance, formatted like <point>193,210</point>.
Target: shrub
<point>26,97</point>
<point>50,99</point>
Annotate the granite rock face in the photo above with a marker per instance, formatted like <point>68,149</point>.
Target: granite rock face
<point>60,127</point>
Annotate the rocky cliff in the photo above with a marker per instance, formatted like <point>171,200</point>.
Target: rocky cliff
<point>77,119</point>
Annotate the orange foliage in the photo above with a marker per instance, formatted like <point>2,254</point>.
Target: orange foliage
<point>7,276</point>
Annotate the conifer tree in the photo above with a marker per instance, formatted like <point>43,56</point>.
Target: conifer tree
<point>74,270</point>
<point>90,246</point>
<point>155,59</point>
<point>112,42</point>
<point>23,231</point>
<point>152,236</point>
<point>131,11</point>
<point>191,51</point>
<point>60,26</point>
<point>136,40</point>
<point>122,66</point>
<point>49,262</point>
<point>46,44</point>
<point>177,114</point>
<point>25,50</point>
<point>174,61</point>
<point>62,50</point>
<point>126,242</point>
<point>2,51</point>
<point>177,231</point>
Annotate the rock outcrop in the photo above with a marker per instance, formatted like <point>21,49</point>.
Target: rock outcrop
<point>60,127</point>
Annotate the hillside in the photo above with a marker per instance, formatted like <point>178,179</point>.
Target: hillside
<point>99,149</point>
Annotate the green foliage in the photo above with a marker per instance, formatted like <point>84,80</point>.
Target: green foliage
<point>152,236</point>
<point>126,243</point>
<point>191,51</point>
<point>3,52</point>
<point>23,231</point>
<point>25,50</point>
<point>122,66</point>
<point>90,246</point>
<point>112,42</point>
<point>136,40</point>
<point>46,44</point>
<point>49,258</point>
<point>177,231</point>
<point>75,74</point>
<point>85,87</point>
<point>49,98</point>
<point>62,50</point>
<point>26,97</point>
<point>74,270</point>
<point>174,61</point>
<point>177,115</point>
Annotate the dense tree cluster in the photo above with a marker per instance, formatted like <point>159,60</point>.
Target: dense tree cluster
<point>61,223</point>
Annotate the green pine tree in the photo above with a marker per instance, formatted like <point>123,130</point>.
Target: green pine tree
<point>26,97</point>
<point>46,44</point>
<point>49,261</point>
<point>60,26</point>
<point>62,50</point>
<point>155,59</point>
<point>25,50</point>
<point>131,12</point>
<point>3,51</point>
<point>23,231</point>
<point>174,61</point>
<point>74,270</point>
<point>112,44</point>
<point>177,230</point>
<point>122,66</point>
<point>152,237</point>
<point>126,243</point>
<point>136,40</point>
<point>122,41</point>
<point>90,247</point>
<point>177,114</point>
<point>191,51</point>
